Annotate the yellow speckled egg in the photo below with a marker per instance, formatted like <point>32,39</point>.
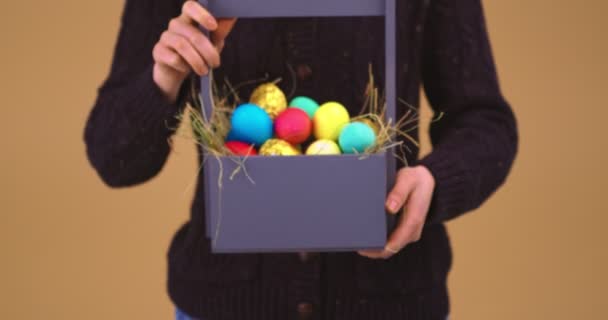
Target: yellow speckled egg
<point>323,147</point>
<point>329,120</point>
<point>278,147</point>
<point>270,98</point>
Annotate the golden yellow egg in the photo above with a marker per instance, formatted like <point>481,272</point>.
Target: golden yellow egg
<point>371,123</point>
<point>329,120</point>
<point>270,98</point>
<point>278,147</point>
<point>323,147</point>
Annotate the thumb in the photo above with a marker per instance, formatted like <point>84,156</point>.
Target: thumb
<point>224,26</point>
<point>400,192</point>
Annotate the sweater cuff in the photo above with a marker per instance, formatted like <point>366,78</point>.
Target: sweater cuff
<point>155,108</point>
<point>451,187</point>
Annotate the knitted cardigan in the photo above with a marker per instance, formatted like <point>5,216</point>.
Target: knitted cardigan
<point>442,45</point>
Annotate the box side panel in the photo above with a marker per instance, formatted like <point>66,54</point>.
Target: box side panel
<point>309,203</point>
<point>210,196</point>
<point>390,84</point>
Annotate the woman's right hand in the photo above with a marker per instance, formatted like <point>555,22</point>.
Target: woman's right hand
<point>183,48</point>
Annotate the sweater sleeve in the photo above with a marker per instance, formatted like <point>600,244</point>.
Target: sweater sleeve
<point>128,130</point>
<point>475,139</point>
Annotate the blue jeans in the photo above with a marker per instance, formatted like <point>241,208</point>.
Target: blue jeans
<point>180,315</point>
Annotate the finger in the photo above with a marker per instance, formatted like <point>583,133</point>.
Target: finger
<point>223,29</point>
<point>185,49</point>
<point>397,197</point>
<point>410,226</point>
<point>169,58</point>
<point>376,254</point>
<point>220,46</point>
<point>194,12</point>
<point>199,41</point>
<point>417,209</point>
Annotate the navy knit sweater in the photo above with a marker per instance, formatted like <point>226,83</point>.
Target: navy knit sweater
<point>442,45</point>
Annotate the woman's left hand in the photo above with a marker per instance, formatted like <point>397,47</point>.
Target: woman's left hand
<point>413,192</point>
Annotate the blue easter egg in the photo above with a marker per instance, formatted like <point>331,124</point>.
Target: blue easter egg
<point>231,136</point>
<point>356,137</point>
<point>250,124</point>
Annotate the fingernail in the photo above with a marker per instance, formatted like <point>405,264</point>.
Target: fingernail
<point>211,22</point>
<point>389,249</point>
<point>392,206</point>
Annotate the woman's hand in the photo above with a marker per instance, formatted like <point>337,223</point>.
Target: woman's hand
<point>413,192</point>
<point>183,48</point>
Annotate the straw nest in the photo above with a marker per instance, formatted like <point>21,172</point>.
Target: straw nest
<point>210,132</point>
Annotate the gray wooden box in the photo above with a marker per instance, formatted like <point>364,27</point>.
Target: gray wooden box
<point>301,203</point>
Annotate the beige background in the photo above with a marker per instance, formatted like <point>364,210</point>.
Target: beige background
<point>72,248</point>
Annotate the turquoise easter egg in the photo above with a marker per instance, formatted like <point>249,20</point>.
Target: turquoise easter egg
<point>356,137</point>
<point>306,104</point>
<point>250,124</point>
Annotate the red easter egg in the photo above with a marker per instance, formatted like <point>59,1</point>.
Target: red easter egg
<point>241,148</point>
<point>293,125</point>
